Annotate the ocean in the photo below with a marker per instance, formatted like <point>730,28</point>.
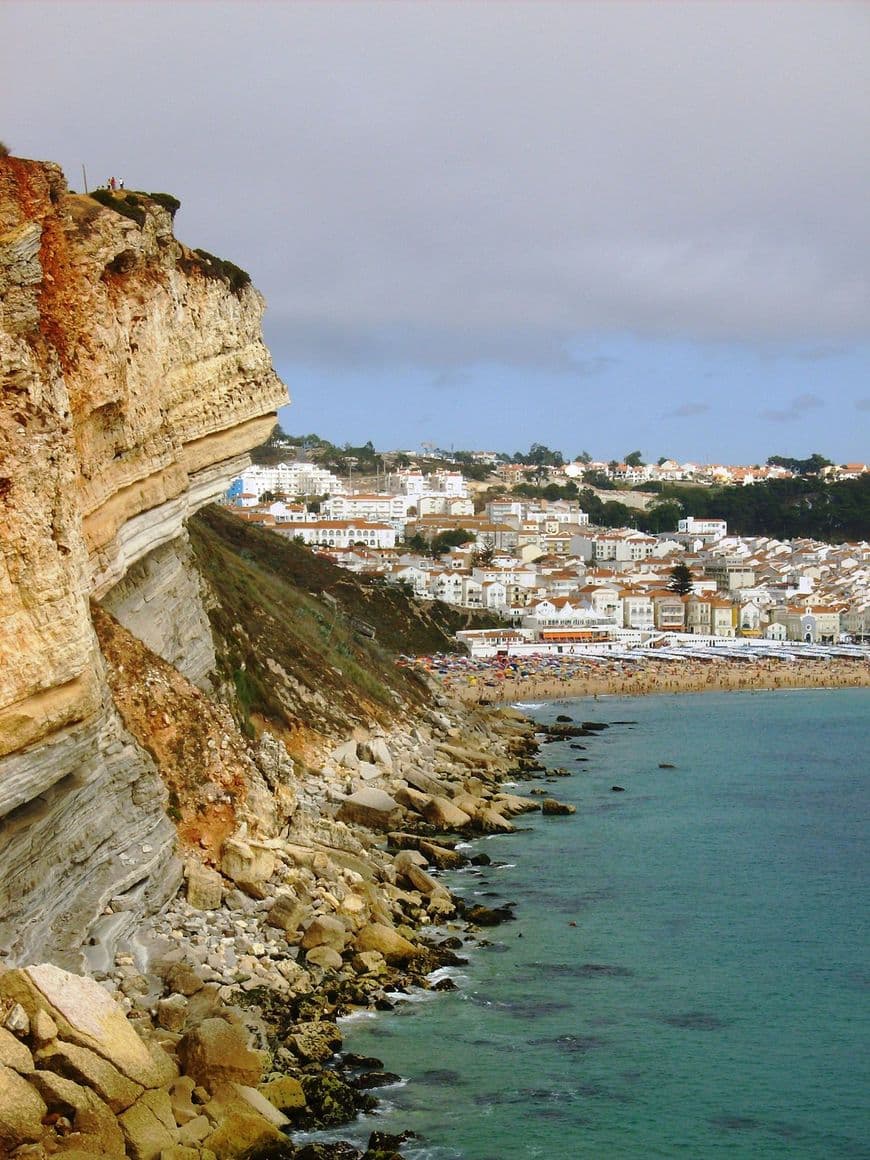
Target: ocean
<point>687,973</point>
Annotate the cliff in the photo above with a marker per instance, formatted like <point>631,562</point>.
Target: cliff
<point>180,690</point>
<point>134,382</point>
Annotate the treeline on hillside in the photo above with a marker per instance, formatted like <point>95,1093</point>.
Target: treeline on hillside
<point>784,508</point>
<point>787,509</point>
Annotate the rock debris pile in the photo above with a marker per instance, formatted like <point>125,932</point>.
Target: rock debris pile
<point>213,1034</point>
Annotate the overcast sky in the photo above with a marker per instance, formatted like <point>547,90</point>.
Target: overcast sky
<point>601,226</point>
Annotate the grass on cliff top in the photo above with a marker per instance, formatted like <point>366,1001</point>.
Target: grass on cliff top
<point>287,626</point>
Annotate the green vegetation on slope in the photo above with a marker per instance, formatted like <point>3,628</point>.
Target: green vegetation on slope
<point>785,508</point>
<point>294,632</point>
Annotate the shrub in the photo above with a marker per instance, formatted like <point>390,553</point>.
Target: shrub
<point>4,150</point>
<point>127,205</point>
<point>223,270</point>
<point>167,201</point>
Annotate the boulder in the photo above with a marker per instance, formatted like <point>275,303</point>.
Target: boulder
<point>444,815</point>
<point>317,1041</point>
<point>440,903</point>
<point>554,808</point>
<point>412,799</point>
<point>371,807</point>
<point>332,1100</point>
<point>491,822</point>
<point>184,979</point>
<point>96,1130</point>
<point>325,931</point>
<point>181,1099</point>
<point>467,802</point>
<point>489,916</point>
<point>258,1103</point>
<point>511,804</point>
<point>377,750</point>
<point>85,1016</point>
<point>425,783</point>
<point>465,755</point>
<point>354,908</point>
<point>148,1126</point>
<point>21,1111</point>
<point>43,1028</point>
<point>90,1070</point>
<point>287,912</point>
<point>17,1021</point>
<point>441,857</point>
<point>192,1134</point>
<point>217,1050</point>
<point>172,1013</point>
<point>419,880</point>
<point>60,1094</point>
<point>204,887</point>
<point>240,1132</point>
<point>406,858</point>
<point>14,1054</point>
<point>284,1093</point>
<point>249,864</point>
<point>325,958</point>
<point>345,755</point>
<point>369,963</point>
<point>377,936</point>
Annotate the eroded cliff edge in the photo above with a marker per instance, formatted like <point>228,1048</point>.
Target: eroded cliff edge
<point>134,381</point>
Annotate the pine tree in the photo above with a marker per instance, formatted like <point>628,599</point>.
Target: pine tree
<point>681,579</point>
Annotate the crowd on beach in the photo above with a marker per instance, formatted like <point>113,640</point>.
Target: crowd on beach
<point>549,676</point>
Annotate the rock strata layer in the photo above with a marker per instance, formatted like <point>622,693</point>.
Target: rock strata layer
<point>134,382</point>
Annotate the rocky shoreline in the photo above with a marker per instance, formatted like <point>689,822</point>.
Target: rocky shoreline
<point>213,1033</point>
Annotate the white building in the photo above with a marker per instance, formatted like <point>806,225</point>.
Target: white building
<point>707,529</point>
<point>441,504</point>
<point>371,507</point>
<point>344,534</point>
<point>290,479</point>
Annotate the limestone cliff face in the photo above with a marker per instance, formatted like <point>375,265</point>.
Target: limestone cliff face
<point>134,381</point>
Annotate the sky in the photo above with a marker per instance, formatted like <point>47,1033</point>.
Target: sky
<point>599,226</point>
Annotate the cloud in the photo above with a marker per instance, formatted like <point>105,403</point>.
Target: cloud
<point>442,184</point>
<point>686,410</point>
<point>796,408</point>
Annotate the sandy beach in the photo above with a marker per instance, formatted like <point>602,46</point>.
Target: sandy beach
<point>551,678</point>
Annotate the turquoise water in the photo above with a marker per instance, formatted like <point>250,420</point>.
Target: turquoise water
<point>711,998</point>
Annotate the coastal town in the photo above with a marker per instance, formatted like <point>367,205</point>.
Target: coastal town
<point>547,577</point>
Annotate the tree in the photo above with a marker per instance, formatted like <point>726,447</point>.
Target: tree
<point>583,457</point>
<point>681,579</point>
<point>599,479</point>
<point>809,466</point>
<point>661,517</point>
<point>416,543</point>
<point>634,459</point>
<point>539,455</point>
<point>454,538</point>
<point>483,556</point>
